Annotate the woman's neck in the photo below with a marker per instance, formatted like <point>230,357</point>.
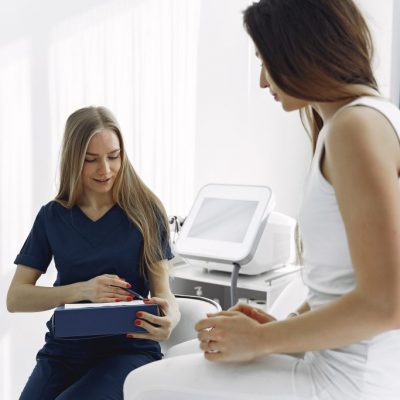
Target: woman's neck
<point>95,201</point>
<point>327,110</point>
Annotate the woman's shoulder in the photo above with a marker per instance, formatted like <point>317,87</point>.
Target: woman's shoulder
<point>365,110</point>
<point>364,130</point>
<point>53,209</point>
<point>365,117</point>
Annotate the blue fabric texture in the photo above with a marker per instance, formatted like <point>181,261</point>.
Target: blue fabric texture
<point>83,249</point>
<point>91,376</point>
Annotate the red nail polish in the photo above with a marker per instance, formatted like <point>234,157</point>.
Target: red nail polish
<point>117,300</point>
<point>139,314</point>
<point>128,285</point>
<point>129,298</point>
<point>137,322</point>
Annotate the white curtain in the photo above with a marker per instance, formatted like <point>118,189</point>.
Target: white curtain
<point>136,57</point>
<point>139,59</point>
<point>15,179</point>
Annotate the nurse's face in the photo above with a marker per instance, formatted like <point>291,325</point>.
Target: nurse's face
<point>289,103</point>
<point>102,162</point>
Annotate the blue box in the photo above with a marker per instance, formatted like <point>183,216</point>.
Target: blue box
<point>90,320</point>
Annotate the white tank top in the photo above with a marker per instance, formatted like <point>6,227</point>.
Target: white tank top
<point>373,366</point>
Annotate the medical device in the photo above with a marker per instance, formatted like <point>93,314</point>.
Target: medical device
<point>232,228</point>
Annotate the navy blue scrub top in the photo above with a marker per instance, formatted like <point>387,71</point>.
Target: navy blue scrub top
<point>83,249</point>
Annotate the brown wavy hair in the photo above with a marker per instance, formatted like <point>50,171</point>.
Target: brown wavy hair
<point>313,50</point>
<point>141,205</point>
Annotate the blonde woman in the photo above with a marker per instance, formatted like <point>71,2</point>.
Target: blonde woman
<point>106,231</point>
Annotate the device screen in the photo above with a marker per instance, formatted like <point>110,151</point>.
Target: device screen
<point>223,219</point>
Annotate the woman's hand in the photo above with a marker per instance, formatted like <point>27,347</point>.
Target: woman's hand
<point>254,313</point>
<point>230,336</point>
<point>158,328</point>
<point>106,289</point>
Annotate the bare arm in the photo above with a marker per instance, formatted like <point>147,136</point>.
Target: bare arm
<point>159,287</point>
<point>24,296</point>
<point>261,316</point>
<point>363,157</point>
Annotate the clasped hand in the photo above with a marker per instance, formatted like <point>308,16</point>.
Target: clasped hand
<point>233,335</point>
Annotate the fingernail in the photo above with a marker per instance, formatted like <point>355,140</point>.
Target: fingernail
<point>139,314</point>
<point>137,322</point>
<point>146,299</point>
<point>129,336</point>
<point>117,300</point>
<point>129,298</point>
<point>128,285</point>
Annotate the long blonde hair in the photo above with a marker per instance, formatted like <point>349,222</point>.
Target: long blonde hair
<point>141,205</point>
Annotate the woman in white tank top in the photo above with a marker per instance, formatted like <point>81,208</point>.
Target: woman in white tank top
<point>316,57</point>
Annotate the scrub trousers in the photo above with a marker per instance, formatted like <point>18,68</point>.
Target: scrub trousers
<point>85,371</point>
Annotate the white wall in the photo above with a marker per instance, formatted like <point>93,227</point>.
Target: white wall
<point>395,53</point>
<point>243,136</point>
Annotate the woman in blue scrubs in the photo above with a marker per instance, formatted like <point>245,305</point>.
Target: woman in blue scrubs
<point>106,232</point>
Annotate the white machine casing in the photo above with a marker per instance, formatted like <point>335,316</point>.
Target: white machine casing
<point>275,248</point>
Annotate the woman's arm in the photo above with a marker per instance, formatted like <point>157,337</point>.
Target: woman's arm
<point>159,287</point>
<point>261,316</point>
<point>363,156</point>
<point>161,295</point>
<point>24,296</point>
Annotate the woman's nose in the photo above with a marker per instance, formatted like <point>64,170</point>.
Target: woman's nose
<point>104,167</point>
<point>263,80</point>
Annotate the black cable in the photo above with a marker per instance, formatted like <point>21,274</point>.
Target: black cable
<point>234,278</point>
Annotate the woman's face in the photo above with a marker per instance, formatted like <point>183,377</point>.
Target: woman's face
<point>288,102</point>
<point>102,162</point>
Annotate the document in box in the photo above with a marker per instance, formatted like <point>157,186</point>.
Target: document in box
<point>91,305</point>
<point>93,319</point>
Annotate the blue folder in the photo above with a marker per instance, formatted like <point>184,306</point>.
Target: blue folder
<point>94,320</point>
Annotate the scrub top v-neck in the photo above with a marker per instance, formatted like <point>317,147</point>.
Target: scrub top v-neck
<point>83,249</point>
